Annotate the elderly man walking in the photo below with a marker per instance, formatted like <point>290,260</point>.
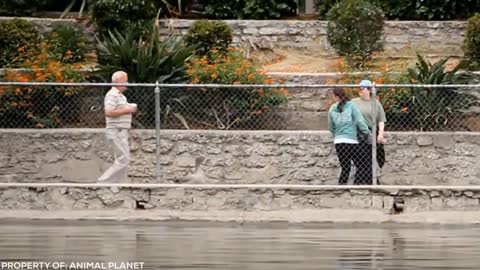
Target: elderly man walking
<point>118,114</point>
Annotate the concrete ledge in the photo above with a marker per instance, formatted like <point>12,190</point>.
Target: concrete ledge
<point>241,203</point>
<point>297,216</point>
<point>379,188</point>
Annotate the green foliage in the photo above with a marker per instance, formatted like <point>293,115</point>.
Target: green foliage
<point>472,40</point>
<point>21,7</point>
<point>206,35</point>
<point>430,108</point>
<point>144,61</point>
<point>355,30</point>
<point>416,9</point>
<point>67,43</point>
<point>122,15</point>
<point>250,9</point>
<point>16,34</point>
<point>229,108</point>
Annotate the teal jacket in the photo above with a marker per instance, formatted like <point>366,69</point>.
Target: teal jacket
<point>346,123</point>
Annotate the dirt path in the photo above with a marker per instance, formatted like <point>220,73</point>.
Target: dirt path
<point>288,60</point>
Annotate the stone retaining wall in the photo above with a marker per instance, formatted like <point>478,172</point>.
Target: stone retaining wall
<point>233,157</point>
<point>231,198</point>
<point>402,38</point>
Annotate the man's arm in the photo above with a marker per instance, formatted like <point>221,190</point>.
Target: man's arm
<point>113,110</point>
<point>381,122</point>
<point>119,111</point>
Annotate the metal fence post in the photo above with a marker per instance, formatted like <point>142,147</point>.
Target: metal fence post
<point>374,135</point>
<point>157,130</point>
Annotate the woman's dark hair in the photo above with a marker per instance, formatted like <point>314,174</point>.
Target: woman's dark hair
<point>338,92</point>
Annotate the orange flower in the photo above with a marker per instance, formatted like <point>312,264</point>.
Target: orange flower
<point>380,80</point>
<point>214,76</point>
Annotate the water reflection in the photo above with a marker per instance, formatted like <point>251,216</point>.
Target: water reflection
<point>167,245</point>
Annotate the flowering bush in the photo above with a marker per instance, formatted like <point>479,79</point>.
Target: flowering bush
<point>40,106</point>
<point>231,107</point>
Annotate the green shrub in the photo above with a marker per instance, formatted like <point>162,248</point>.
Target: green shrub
<point>155,60</point>
<point>416,9</point>
<point>355,30</point>
<point>472,40</point>
<point>207,35</point>
<point>250,9</point>
<point>21,7</point>
<point>16,34</point>
<point>123,14</point>
<point>67,43</point>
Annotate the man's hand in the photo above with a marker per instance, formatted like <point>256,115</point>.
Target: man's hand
<point>131,109</point>
<point>381,138</point>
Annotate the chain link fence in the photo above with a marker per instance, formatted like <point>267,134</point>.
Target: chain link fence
<point>249,107</point>
<point>263,107</point>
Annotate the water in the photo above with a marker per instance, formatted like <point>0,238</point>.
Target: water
<point>181,245</point>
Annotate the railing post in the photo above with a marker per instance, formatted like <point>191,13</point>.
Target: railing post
<point>374,135</point>
<point>157,131</point>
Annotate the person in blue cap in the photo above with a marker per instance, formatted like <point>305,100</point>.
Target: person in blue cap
<point>364,104</point>
<point>345,122</point>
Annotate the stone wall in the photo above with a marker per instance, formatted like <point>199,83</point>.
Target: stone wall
<point>209,199</point>
<point>233,157</point>
<point>402,38</point>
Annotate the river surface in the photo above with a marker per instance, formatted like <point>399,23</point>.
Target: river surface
<point>279,246</point>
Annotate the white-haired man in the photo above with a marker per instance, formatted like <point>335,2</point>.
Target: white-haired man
<point>118,115</point>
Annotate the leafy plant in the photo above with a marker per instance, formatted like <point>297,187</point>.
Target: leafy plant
<point>145,61</point>
<point>207,35</point>
<point>250,9</point>
<point>415,9</point>
<point>83,3</point>
<point>436,109</point>
<point>121,15</point>
<point>68,43</point>
<point>21,7</point>
<point>16,35</point>
<point>472,41</point>
<point>40,107</point>
<point>234,107</point>
<point>355,30</point>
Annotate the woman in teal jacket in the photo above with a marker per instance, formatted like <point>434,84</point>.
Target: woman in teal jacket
<point>344,121</point>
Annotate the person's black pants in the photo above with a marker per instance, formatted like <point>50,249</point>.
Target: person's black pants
<point>346,153</point>
<point>363,175</point>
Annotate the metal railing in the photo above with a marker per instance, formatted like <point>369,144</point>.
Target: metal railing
<point>408,107</point>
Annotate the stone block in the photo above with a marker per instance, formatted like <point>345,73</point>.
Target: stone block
<point>444,141</point>
<point>424,140</point>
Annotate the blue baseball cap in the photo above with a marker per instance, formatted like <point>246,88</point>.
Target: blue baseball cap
<point>366,84</point>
